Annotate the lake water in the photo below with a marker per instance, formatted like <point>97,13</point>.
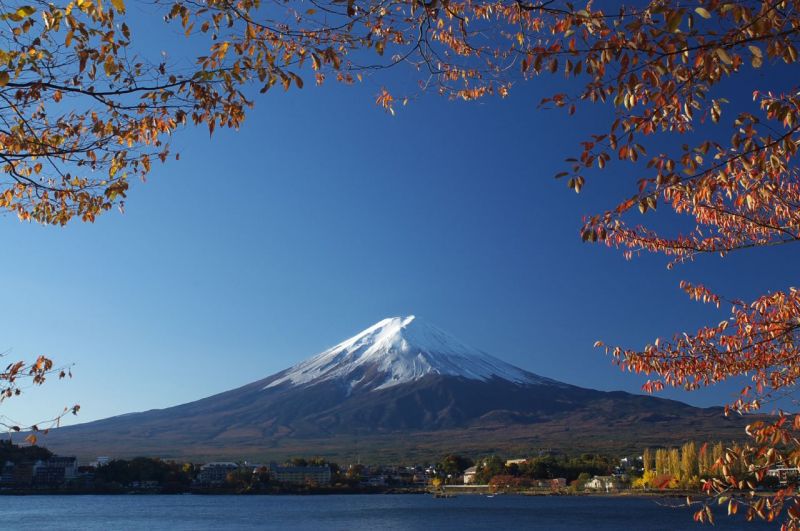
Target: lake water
<point>352,512</point>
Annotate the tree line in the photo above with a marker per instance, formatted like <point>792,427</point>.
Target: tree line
<point>691,466</point>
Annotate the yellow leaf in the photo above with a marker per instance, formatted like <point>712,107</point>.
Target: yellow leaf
<point>110,67</point>
<point>757,60</point>
<point>703,12</point>
<point>25,11</point>
<point>723,55</point>
<point>119,5</point>
<point>4,79</point>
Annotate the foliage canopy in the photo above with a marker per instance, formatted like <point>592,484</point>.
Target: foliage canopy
<point>82,114</point>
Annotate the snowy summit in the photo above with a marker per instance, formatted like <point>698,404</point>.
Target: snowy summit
<point>399,350</point>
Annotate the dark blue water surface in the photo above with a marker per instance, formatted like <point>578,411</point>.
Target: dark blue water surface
<point>352,512</point>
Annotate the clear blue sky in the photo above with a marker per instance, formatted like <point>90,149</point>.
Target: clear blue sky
<point>262,247</point>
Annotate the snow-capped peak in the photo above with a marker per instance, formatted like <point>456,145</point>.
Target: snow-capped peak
<point>399,350</point>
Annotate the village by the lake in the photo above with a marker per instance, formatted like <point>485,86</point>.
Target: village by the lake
<point>659,472</point>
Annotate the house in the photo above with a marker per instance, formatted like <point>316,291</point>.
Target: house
<point>256,467</point>
<point>629,464</point>
<point>510,462</point>
<point>784,474</point>
<point>552,484</point>
<point>146,485</point>
<point>300,475</point>
<point>216,472</point>
<point>375,481</point>
<point>100,461</point>
<point>603,483</point>
<point>469,475</point>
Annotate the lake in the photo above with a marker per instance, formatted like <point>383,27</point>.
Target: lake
<point>350,512</point>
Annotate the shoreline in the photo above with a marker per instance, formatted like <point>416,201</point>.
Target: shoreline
<point>319,491</point>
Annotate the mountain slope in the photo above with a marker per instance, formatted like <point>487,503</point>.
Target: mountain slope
<point>399,377</point>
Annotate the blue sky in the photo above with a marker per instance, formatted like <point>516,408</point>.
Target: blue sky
<point>262,247</point>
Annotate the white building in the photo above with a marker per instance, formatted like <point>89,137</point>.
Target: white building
<point>603,483</point>
<point>469,475</point>
<point>55,470</point>
<point>784,474</point>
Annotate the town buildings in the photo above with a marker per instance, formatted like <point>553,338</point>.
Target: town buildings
<point>43,473</point>
<point>216,472</point>
<point>784,474</point>
<point>300,475</point>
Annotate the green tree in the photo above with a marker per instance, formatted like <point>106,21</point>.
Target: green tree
<point>455,465</point>
<point>17,454</point>
<point>488,468</point>
<point>240,479</point>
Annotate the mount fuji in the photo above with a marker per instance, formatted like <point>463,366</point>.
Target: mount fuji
<point>400,389</point>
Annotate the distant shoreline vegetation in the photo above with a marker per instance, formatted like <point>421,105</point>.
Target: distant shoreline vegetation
<point>28,470</point>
